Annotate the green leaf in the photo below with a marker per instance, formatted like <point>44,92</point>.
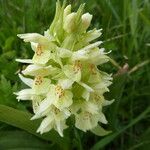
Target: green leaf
<point>100,131</point>
<point>116,91</point>
<point>20,139</point>
<point>8,43</point>
<point>6,91</point>
<point>111,137</point>
<point>22,120</point>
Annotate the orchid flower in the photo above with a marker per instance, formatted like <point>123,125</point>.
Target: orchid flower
<point>62,76</point>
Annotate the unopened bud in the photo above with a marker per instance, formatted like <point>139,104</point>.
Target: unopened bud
<point>69,22</point>
<point>86,20</point>
<point>67,10</point>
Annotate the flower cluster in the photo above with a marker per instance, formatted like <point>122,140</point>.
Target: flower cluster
<point>62,76</point>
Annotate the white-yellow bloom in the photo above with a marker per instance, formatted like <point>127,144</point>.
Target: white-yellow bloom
<point>63,77</point>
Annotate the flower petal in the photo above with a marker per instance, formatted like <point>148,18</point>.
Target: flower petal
<point>25,94</point>
<point>71,74</point>
<point>27,81</point>
<point>65,101</point>
<point>34,37</point>
<point>105,103</point>
<point>41,85</point>
<point>102,118</point>
<point>85,121</point>
<point>36,70</point>
<point>34,46</point>
<point>65,83</point>
<point>88,88</point>
<point>46,103</point>
<point>92,35</point>
<point>60,126</point>
<point>43,58</point>
<point>64,53</point>
<point>86,95</point>
<point>27,61</point>
<point>46,125</point>
<point>83,53</point>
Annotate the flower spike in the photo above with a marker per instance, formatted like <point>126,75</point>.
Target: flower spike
<point>62,75</point>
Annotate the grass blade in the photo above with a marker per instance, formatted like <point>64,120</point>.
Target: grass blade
<point>22,120</point>
<point>111,137</point>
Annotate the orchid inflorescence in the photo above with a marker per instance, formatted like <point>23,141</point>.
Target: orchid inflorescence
<point>63,76</point>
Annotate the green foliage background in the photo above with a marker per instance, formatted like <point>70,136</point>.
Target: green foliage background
<point>126,31</point>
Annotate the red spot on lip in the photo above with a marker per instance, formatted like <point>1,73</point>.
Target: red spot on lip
<point>39,51</point>
<point>92,68</point>
<point>59,91</point>
<point>77,66</point>
<point>38,80</point>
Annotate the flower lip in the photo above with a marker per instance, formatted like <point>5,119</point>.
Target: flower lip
<point>39,50</point>
<point>59,91</point>
<point>38,80</point>
<point>92,69</point>
<point>87,115</point>
<point>77,66</point>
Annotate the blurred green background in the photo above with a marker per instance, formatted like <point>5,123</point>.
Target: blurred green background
<point>126,31</point>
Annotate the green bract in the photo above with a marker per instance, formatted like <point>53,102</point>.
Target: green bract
<point>64,67</point>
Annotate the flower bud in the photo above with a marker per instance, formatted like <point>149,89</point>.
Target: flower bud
<point>86,20</point>
<point>67,10</point>
<point>69,23</point>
